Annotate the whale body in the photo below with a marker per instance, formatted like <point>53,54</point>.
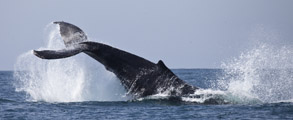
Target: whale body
<point>139,76</point>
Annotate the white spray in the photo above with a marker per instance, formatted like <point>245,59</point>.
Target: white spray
<point>264,72</point>
<point>74,79</point>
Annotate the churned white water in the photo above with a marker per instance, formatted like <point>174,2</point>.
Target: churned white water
<point>73,79</point>
<point>263,72</point>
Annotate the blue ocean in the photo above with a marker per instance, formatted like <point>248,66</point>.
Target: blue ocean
<point>22,104</point>
<point>257,84</point>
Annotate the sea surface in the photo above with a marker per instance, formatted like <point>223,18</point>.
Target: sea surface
<point>257,84</point>
<point>19,105</point>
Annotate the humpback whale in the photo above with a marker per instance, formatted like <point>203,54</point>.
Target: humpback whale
<point>139,76</point>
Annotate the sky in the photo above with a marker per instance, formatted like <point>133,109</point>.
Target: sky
<point>182,33</point>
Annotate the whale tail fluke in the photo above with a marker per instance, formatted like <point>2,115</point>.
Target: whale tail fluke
<point>72,36</point>
<point>57,54</point>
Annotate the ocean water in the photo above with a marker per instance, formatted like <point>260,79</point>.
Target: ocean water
<point>257,84</point>
<point>20,104</point>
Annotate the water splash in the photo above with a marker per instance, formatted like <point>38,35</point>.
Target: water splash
<point>74,79</point>
<point>264,72</point>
